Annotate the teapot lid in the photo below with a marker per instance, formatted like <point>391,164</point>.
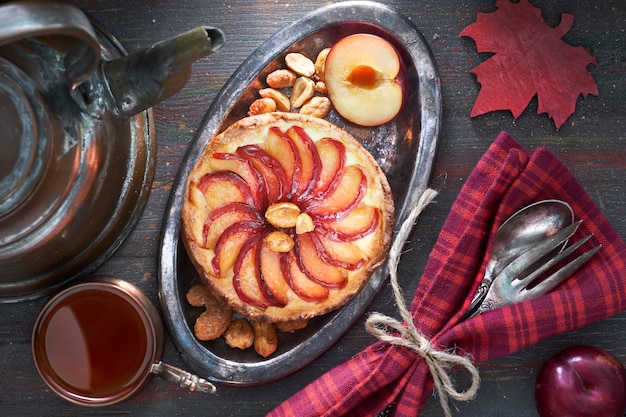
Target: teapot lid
<point>72,186</point>
<point>22,153</point>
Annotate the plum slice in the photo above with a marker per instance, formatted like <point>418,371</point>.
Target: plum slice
<point>358,223</point>
<point>272,273</point>
<point>279,145</point>
<point>224,216</point>
<point>247,280</point>
<point>299,282</point>
<point>271,170</point>
<point>223,187</point>
<point>314,265</point>
<point>349,192</point>
<point>229,244</point>
<point>341,254</point>
<point>307,173</point>
<point>333,154</point>
<point>223,161</point>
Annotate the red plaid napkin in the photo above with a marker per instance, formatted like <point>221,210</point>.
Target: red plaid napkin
<point>506,178</point>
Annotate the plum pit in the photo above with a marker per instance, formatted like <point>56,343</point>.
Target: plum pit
<point>363,76</point>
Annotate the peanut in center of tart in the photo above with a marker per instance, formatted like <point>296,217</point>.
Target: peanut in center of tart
<point>282,215</point>
<point>278,241</point>
<point>287,215</point>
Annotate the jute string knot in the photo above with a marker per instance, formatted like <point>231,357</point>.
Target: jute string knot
<point>405,333</point>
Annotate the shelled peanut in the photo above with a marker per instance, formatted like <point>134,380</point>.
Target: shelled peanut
<point>238,332</point>
<point>299,87</point>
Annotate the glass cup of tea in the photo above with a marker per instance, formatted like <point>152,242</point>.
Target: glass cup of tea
<point>99,342</point>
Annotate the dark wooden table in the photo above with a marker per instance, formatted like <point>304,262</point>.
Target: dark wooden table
<point>592,143</point>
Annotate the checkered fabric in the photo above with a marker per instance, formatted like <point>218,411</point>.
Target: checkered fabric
<point>505,179</point>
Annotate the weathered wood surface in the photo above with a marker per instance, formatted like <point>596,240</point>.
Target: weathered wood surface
<point>592,144</point>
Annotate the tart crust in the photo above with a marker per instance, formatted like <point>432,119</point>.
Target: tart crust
<point>374,245</point>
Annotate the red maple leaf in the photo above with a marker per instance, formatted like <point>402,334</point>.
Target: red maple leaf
<point>529,58</point>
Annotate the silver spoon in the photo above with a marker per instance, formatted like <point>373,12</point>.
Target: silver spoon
<point>523,230</point>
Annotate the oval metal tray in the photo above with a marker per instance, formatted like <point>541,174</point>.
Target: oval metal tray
<point>404,148</point>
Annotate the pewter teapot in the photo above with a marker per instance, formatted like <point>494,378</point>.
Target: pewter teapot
<point>77,139</point>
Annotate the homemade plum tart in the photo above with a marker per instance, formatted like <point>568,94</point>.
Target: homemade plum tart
<point>286,216</point>
<point>404,148</point>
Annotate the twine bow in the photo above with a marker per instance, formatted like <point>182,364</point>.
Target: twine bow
<point>394,332</point>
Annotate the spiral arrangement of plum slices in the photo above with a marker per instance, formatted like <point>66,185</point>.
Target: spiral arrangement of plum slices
<point>285,216</point>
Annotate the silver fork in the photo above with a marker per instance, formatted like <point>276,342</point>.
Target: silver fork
<point>519,280</point>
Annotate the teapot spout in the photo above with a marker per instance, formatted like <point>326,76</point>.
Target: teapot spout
<point>142,79</point>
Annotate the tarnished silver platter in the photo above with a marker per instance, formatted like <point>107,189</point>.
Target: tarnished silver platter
<point>405,149</point>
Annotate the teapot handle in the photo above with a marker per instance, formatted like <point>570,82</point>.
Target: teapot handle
<point>27,19</point>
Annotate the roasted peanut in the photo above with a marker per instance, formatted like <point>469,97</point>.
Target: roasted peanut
<point>239,334</point>
<point>280,98</point>
<point>320,87</point>
<point>317,106</point>
<point>302,91</point>
<point>283,214</point>
<point>261,106</point>
<point>214,320</point>
<point>304,224</point>
<point>300,64</point>
<point>281,78</point>
<point>265,338</point>
<point>278,241</point>
<point>320,64</point>
<point>292,326</point>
